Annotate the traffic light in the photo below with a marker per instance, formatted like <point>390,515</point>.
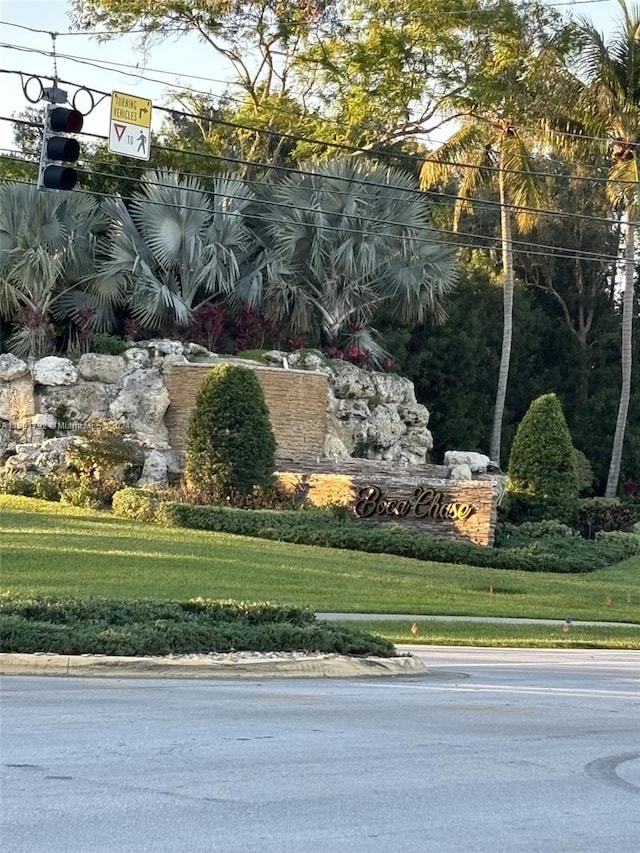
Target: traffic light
<point>59,148</point>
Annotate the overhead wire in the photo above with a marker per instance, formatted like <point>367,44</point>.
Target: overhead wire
<point>236,161</point>
<point>457,13</point>
<point>296,137</point>
<point>103,66</point>
<point>433,195</point>
<point>377,153</point>
<point>271,108</point>
<point>254,163</point>
<point>528,247</point>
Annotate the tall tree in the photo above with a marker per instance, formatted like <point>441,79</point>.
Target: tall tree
<point>500,153</point>
<point>611,100</point>
<point>259,39</point>
<point>519,71</point>
<point>365,73</point>
<point>575,278</point>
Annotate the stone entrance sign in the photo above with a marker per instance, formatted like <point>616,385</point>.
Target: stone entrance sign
<point>453,509</point>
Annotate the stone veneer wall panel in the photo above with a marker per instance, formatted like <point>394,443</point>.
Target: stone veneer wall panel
<point>479,527</point>
<point>297,401</point>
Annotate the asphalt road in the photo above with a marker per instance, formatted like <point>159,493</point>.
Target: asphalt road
<point>491,751</point>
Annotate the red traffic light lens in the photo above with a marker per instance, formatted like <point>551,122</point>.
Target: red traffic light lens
<point>63,120</point>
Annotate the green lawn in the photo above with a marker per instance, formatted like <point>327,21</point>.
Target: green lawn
<point>502,635</point>
<point>52,549</point>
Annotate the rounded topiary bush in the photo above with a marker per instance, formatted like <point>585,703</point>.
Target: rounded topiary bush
<point>542,476</point>
<point>230,443</point>
<point>138,504</point>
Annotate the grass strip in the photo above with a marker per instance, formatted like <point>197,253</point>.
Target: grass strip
<point>500,635</point>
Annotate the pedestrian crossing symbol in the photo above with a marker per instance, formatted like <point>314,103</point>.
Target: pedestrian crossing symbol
<point>130,126</point>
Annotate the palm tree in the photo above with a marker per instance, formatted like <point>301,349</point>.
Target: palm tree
<point>177,246</point>
<point>611,100</point>
<point>344,241</point>
<point>492,149</point>
<point>47,250</point>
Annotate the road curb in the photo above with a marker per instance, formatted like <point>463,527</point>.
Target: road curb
<point>324,666</point>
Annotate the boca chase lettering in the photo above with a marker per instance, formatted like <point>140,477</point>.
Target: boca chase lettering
<point>424,503</point>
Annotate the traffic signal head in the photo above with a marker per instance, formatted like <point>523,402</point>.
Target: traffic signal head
<point>58,150</point>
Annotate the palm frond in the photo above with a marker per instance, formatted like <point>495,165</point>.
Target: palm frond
<point>472,138</point>
<point>520,179</point>
<point>623,188</point>
<point>365,339</point>
<point>336,231</point>
<point>179,246</point>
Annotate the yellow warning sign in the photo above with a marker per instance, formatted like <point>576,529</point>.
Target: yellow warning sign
<point>129,109</point>
<point>130,126</point>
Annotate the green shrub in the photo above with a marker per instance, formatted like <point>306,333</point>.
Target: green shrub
<point>20,635</point>
<point>102,459</point>
<point>80,491</point>
<point>555,552</point>
<point>113,627</point>
<point>275,496</point>
<point>633,503</point>
<point>521,535</point>
<point>604,514</point>
<point>106,344</point>
<point>585,474</point>
<point>46,488</point>
<point>67,610</point>
<point>12,483</point>
<point>542,476</point>
<point>230,443</point>
<point>137,504</point>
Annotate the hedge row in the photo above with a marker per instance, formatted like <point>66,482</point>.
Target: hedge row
<point>70,611</point>
<point>605,514</point>
<point>551,551</point>
<point>107,627</point>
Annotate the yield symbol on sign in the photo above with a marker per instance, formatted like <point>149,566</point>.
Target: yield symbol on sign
<point>119,129</point>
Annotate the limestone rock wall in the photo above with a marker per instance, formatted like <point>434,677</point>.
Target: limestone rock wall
<point>319,409</point>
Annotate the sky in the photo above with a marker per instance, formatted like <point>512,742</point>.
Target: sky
<point>177,63</point>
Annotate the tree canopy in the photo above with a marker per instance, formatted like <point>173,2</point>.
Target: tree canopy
<point>522,126</point>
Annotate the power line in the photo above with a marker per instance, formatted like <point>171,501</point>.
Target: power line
<point>283,134</point>
<point>528,247</point>
<point>293,169</point>
<point>376,153</point>
<point>390,222</point>
<point>359,20</point>
<point>96,33</point>
<point>103,66</point>
<point>138,74</point>
<point>539,211</point>
<point>322,143</point>
<point>302,114</point>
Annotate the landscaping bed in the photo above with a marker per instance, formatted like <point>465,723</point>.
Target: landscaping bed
<point>538,547</point>
<point>100,626</point>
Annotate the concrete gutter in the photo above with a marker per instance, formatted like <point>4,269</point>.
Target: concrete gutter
<point>428,617</point>
<point>205,666</point>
